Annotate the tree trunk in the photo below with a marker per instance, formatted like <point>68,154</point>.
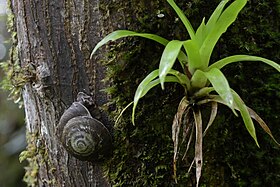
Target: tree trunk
<point>55,39</point>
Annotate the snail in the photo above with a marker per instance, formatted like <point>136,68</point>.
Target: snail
<point>83,136</point>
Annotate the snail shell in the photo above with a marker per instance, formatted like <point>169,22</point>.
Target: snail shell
<point>83,136</point>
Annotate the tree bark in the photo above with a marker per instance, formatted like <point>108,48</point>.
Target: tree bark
<point>55,39</point>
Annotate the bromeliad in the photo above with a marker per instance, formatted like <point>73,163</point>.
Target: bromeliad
<point>203,83</point>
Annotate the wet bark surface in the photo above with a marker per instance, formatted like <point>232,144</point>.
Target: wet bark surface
<point>55,39</point>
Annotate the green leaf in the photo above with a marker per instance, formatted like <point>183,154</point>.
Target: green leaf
<point>220,84</point>
<point>147,84</point>
<point>203,92</point>
<point>184,80</point>
<point>215,15</point>
<point>193,56</point>
<point>253,114</point>
<point>157,81</point>
<point>183,59</point>
<point>198,80</point>
<point>183,18</point>
<point>237,58</point>
<point>143,88</point>
<point>168,59</point>
<point>125,33</point>
<point>193,46</point>
<point>245,116</point>
<point>201,33</point>
<point>228,16</point>
<point>120,115</point>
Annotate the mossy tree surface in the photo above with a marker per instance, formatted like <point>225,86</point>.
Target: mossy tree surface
<point>56,38</point>
<point>143,155</point>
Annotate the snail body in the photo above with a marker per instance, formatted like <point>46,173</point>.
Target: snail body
<point>83,136</point>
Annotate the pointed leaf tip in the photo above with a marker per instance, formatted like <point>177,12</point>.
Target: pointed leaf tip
<point>245,116</point>
<point>125,33</point>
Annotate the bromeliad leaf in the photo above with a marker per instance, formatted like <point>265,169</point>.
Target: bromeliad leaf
<point>157,81</point>
<point>245,116</point>
<point>120,115</point>
<point>220,84</point>
<point>214,109</point>
<point>238,58</point>
<point>125,33</point>
<point>228,16</point>
<point>168,59</point>
<point>263,125</point>
<point>203,92</point>
<point>194,58</point>
<point>142,88</point>
<point>253,114</point>
<point>216,14</point>
<point>184,80</point>
<point>183,18</point>
<point>201,33</point>
<point>147,84</point>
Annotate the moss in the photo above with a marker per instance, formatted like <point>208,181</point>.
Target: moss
<point>15,76</point>
<point>140,158</point>
<point>143,153</point>
<point>34,154</point>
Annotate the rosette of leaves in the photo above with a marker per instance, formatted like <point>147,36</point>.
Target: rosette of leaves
<point>203,83</point>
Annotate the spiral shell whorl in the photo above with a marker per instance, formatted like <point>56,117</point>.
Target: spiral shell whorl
<point>83,136</point>
<point>82,143</point>
<point>77,137</point>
